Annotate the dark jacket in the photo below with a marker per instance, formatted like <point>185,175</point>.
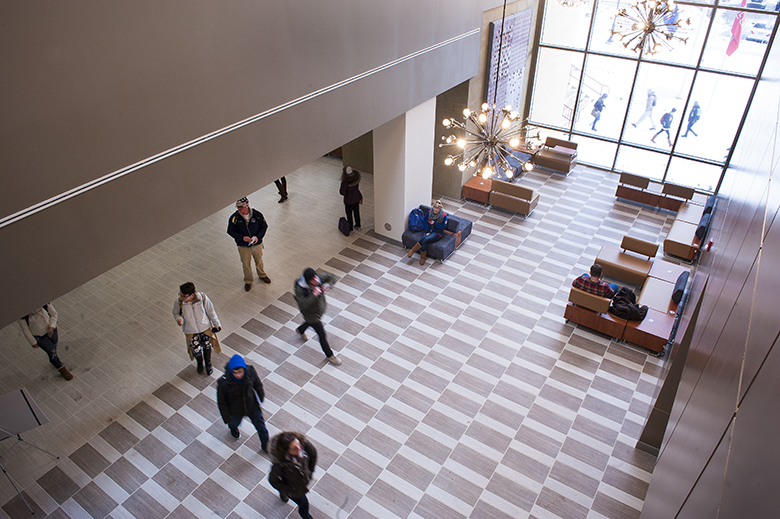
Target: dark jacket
<point>238,398</point>
<point>437,228</point>
<point>666,120</point>
<point>312,307</point>
<point>289,478</point>
<point>238,227</point>
<point>351,190</point>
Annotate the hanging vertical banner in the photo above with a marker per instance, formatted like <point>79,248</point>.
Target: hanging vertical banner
<point>514,53</point>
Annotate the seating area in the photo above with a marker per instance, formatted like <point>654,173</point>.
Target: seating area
<point>557,155</point>
<point>441,249</point>
<point>513,197</point>
<point>661,283</point>
<point>693,211</point>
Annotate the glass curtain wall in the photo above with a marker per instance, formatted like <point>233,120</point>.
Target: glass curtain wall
<point>704,87</point>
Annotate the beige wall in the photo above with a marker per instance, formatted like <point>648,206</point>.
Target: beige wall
<point>90,88</point>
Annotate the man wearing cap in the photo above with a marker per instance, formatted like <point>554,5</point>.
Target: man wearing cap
<point>309,293</point>
<point>239,394</point>
<point>247,226</point>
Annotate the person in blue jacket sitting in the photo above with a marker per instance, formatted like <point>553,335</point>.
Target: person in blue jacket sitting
<point>434,229</point>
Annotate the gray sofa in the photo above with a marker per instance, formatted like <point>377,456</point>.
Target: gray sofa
<point>442,249</point>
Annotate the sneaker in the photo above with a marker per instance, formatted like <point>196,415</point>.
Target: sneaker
<point>284,498</point>
<point>247,287</point>
<point>235,433</point>
<point>334,360</point>
<point>303,336</point>
<point>357,228</point>
<point>266,280</point>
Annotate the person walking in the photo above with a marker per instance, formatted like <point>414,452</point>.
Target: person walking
<point>598,106</point>
<point>40,330</point>
<point>649,105</point>
<point>195,313</point>
<point>239,394</point>
<point>247,227</point>
<point>666,123</point>
<point>693,117</point>
<point>293,459</point>
<point>309,292</point>
<point>434,228</point>
<point>281,186</point>
<point>350,190</point>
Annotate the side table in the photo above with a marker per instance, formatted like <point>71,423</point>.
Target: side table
<point>477,189</point>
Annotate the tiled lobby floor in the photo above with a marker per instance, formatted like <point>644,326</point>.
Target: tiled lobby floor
<point>463,392</point>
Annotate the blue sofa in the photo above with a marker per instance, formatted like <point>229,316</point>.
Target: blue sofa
<point>442,249</point>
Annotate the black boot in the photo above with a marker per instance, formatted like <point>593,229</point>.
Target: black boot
<point>207,359</point>
<point>199,360</point>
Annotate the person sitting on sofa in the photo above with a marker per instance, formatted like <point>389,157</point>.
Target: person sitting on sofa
<point>592,283</point>
<point>435,226</point>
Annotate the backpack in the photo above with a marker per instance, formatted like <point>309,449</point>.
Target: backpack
<point>416,220</point>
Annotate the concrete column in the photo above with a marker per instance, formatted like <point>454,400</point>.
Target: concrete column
<point>403,168</point>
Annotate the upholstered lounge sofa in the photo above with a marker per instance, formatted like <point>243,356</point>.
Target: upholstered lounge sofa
<point>441,249</point>
<point>557,154</point>
<point>631,262</point>
<point>513,197</point>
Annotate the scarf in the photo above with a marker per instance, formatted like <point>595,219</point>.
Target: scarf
<point>436,218</point>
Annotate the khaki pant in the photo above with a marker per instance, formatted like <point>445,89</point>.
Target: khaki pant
<point>246,254</point>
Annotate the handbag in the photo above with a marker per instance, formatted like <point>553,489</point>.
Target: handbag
<point>594,113</point>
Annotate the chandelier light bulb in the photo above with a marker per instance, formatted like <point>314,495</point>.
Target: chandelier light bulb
<point>482,117</point>
<point>508,108</point>
<point>485,107</point>
<point>505,124</point>
<point>509,173</point>
<point>487,172</point>
<point>528,166</point>
<point>447,123</point>
<point>514,115</point>
<point>448,161</point>
<point>514,142</point>
<point>461,143</point>
<point>462,166</point>
<point>472,163</point>
<point>466,112</point>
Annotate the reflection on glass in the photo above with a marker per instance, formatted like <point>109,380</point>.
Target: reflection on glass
<point>668,88</point>
<point>601,39</point>
<point>687,53</point>
<point>604,76</point>
<point>555,88</point>
<point>722,101</point>
<point>748,51</point>
<point>566,26</point>
<point>703,177</point>
<point>594,152</point>
<point>641,162</point>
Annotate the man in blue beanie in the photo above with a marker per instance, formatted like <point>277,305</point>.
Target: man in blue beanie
<point>239,394</point>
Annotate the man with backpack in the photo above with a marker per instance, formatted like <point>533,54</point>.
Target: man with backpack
<point>693,117</point>
<point>666,123</point>
<point>40,330</point>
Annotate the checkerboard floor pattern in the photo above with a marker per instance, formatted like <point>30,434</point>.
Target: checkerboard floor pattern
<point>462,393</point>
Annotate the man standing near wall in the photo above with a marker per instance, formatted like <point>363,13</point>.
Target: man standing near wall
<point>247,226</point>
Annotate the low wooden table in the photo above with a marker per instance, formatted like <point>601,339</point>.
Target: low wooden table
<point>477,189</point>
<point>666,271</point>
<point>652,333</point>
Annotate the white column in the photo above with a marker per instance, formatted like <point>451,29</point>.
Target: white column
<point>403,168</point>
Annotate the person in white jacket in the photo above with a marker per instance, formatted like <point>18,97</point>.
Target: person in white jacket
<point>195,313</point>
<point>40,330</point>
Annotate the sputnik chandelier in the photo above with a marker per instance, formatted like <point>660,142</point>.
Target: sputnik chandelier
<point>490,137</point>
<point>649,26</point>
<point>572,3</point>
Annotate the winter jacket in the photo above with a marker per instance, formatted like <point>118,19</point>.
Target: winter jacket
<point>666,120</point>
<point>437,228</point>
<point>198,316</point>
<point>312,307</point>
<point>237,398</point>
<point>351,191</point>
<point>37,324</point>
<point>238,227</point>
<point>290,478</point>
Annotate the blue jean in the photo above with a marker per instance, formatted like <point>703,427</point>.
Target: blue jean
<point>303,506</point>
<point>258,421</point>
<point>49,345</point>
<point>428,239</point>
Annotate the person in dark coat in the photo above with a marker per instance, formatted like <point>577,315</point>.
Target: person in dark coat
<point>666,123</point>
<point>309,292</point>
<point>239,394</point>
<point>350,190</point>
<point>294,458</point>
<point>598,106</point>
<point>247,227</point>
<point>693,117</point>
